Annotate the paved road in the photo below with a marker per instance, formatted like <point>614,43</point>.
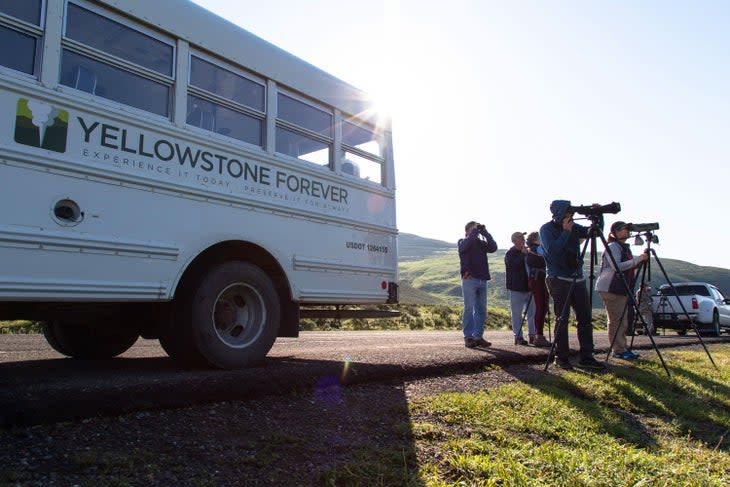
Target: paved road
<point>39,385</point>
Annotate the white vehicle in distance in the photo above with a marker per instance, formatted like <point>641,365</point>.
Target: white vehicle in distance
<point>176,177</point>
<point>703,303</point>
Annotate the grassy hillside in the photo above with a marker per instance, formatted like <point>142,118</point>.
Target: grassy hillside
<point>432,267</point>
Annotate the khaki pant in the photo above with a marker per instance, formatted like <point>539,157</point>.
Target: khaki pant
<point>618,319</point>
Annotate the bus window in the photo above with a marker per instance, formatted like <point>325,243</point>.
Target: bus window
<point>19,50</point>
<point>361,138</point>
<point>114,83</point>
<point>118,40</point>
<point>19,44</point>
<point>217,118</point>
<point>222,82</point>
<point>243,115</point>
<point>306,131</point>
<point>27,10</point>
<point>367,168</point>
<point>363,147</point>
<point>107,76</point>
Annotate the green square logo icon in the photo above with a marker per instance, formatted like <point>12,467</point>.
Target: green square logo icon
<point>39,124</point>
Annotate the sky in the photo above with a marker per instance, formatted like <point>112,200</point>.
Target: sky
<point>500,107</point>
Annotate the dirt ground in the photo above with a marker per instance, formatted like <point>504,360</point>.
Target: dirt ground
<point>282,440</point>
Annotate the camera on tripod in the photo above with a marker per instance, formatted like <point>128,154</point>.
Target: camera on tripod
<point>643,227</point>
<point>594,210</point>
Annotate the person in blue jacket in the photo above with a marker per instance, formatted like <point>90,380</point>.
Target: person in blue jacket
<point>473,250</point>
<point>566,283</point>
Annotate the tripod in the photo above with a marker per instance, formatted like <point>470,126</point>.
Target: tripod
<point>561,322</point>
<point>645,269</point>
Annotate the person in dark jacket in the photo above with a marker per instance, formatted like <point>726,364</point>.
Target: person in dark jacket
<point>519,292</point>
<point>565,281</point>
<point>473,250</point>
<point>536,282</point>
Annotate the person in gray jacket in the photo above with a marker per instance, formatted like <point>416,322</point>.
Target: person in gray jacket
<point>614,289</point>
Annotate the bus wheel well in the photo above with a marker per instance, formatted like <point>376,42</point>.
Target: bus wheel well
<point>247,252</point>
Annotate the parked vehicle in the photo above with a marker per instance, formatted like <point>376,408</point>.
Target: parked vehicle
<point>701,302</point>
<point>169,175</point>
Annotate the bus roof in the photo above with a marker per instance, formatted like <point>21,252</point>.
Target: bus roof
<point>214,34</point>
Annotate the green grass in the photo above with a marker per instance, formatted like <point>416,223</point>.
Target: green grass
<point>633,426</point>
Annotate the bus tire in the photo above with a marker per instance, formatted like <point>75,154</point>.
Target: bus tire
<point>86,341</point>
<point>228,319</point>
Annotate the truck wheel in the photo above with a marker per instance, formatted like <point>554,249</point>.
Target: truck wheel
<point>229,319</point>
<point>716,324</point>
<point>86,341</point>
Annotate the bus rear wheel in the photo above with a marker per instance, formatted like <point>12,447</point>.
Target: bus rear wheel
<point>228,319</point>
<point>87,341</point>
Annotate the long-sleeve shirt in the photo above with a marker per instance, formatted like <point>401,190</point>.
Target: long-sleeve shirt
<point>562,249</point>
<point>473,254</point>
<point>515,270</point>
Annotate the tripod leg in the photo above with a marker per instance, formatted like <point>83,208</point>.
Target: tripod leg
<point>692,322</point>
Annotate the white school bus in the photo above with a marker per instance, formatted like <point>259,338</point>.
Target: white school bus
<point>166,174</point>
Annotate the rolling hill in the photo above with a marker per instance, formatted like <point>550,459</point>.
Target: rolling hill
<point>429,273</point>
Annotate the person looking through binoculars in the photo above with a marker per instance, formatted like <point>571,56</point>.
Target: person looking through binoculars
<point>612,288</point>
<point>473,250</point>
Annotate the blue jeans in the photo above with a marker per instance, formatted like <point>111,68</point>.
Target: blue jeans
<point>475,306</point>
<point>518,300</point>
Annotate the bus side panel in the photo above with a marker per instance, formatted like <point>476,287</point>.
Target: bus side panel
<point>106,209</point>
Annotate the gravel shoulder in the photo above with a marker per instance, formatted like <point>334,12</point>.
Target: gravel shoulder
<point>290,440</point>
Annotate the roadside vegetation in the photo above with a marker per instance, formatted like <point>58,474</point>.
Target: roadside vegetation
<point>412,317</point>
<point>633,426</point>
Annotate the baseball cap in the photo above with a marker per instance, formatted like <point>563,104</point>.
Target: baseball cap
<point>517,235</point>
<point>619,225</point>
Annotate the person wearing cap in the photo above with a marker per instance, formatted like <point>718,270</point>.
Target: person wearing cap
<point>614,287</point>
<point>519,291</point>
<point>536,283</point>
<point>566,283</point>
<point>473,250</point>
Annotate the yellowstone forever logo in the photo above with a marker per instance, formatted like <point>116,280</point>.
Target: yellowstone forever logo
<point>39,124</point>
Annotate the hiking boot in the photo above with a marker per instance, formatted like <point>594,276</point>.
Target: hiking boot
<point>563,363</point>
<point>481,342</point>
<point>591,364</point>
<point>469,342</point>
<point>541,341</point>
<point>520,341</point>
<point>531,339</point>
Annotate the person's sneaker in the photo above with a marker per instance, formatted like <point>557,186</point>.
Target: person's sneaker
<point>520,341</point>
<point>481,342</point>
<point>590,363</point>
<point>563,363</point>
<point>469,342</point>
<point>531,339</point>
<point>541,341</point>
<point>626,355</point>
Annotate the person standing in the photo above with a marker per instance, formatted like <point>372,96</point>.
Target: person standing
<point>473,250</point>
<point>612,286</point>
<point>566,283</point>
<point>519,292</point>
<point>536,283</point>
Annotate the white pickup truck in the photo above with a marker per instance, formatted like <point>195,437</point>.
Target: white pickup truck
<point>705,304</point>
